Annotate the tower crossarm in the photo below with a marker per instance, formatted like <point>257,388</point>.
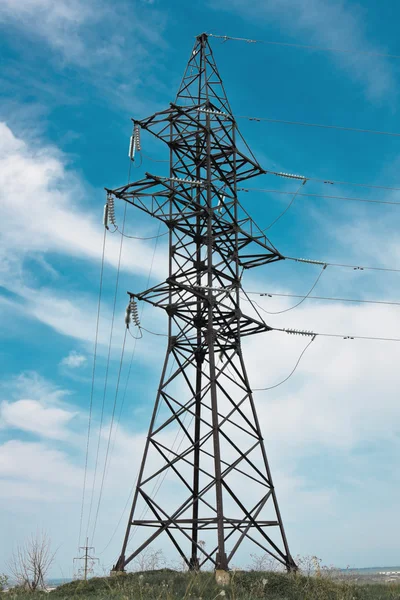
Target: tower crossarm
<point>185,129</point>
<point>175,202</point>
<point>179,300</point>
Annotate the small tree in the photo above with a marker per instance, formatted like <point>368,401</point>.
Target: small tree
<point>263,562</point>
<point>3,582</point>
<point>149,560</point>
<point>30,563</point>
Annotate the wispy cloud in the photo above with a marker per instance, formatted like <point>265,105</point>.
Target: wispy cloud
<point>327,23</point>
<point>74,360</point>
<point>44,210</point>
<point>105,44</point>
<point>32,404</point>
<point>72,27</point>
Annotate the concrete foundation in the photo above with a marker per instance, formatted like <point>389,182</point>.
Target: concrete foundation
<point>222,577</point>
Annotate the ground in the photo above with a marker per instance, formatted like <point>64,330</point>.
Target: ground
<point>166,584</point>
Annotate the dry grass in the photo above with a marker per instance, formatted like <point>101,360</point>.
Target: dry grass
<point>250,585</point>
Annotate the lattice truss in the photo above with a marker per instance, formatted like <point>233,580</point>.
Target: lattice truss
<point>204,438</point>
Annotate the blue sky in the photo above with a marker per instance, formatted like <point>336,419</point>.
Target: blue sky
<point>73,74</point>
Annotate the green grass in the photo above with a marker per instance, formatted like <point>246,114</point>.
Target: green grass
<point>172,585</point>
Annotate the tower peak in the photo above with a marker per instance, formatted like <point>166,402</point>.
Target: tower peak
<point>201,82</point>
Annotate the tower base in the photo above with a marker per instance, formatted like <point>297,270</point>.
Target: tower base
<point>222,577</point>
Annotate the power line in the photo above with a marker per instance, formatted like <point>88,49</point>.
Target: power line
<point>349,198</point>
<point>107,370</point>
<point>154,159</point>
<point>92,386</point>
<point>158,483</point>
<point>318,125</point>
<point>331,181</point>
<point>136,337</point>
<point>136,237</point>
<point>309,333</point>
<point>308,297</point>
<point>271,387</point>
<point>109,435</point>
<point>154,333</point>
<point>134,349</point>
<point>287,208</point>
<point>279,312</point>
<point>120,519</point>
<point>154,491</point>
<point>304,46</point>
<point>161,477</point>
<point>336,335</point>
<point>345,266</point>
<point>125,390</point>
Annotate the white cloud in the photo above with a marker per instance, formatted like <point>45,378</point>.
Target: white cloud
<point>325,406</point>
<point>106,43</point>
<point>44,210</point>
<point>32,416</point>
<point>59,23</point>
<point>343,393</point>
<point>36,406</point>
<point>37,387</point>
<point>35,462</point>
<point>74,360</point>
<point>330,24</point>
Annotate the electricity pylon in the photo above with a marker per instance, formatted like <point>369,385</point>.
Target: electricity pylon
<point>219,483</point>
<point>89,561</point>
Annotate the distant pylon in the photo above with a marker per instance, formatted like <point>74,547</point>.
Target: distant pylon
<point>88,560</point>
<point>219,480</point>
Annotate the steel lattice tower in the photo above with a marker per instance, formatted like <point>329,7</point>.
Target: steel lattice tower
<point>219,479</point>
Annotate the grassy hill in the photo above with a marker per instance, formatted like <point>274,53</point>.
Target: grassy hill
<point>172,585</point>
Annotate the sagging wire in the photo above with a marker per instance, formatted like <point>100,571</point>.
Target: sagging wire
<point>305,332</point>
<point>92,386</point>
<point>136,237</point>
<point>336,335</point>
<point>345,266</point>
<point>109,213</point>
<point>123,401</point>
<point>319,125</point>
<point>313,335</point>
<point>330,298</point>
<point>154,159</point>
<point>226,38</point>
<point>154,333</point>
<point>288,206</point>
<point>331,181</point>
<point>271,387</point>
<point>109,436</point>
<point>159,483</point>
<point>346,198</point>
<point>279,312</point>
<point>120,519</point>
<point>106,375</point>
